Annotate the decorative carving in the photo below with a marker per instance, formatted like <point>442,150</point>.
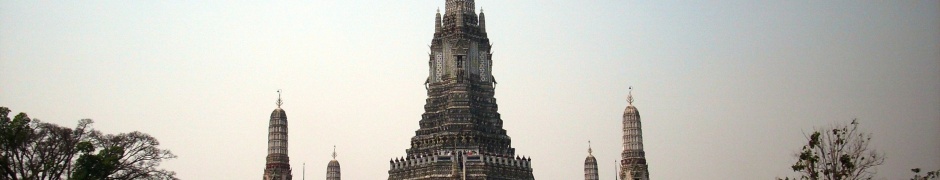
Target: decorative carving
<point>633,162</point>
<point>460,125</point>
<point>439,62</point>
<point>277,165</point>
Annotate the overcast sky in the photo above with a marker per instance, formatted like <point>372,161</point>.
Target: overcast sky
<point>726,89</point>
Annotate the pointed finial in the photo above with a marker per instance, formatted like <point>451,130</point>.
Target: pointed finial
<point>630,96</point>
<point>438,10</point>
<point>334,152</point>
<point>279,102</point>
<point>481,9</point>
<point>589,148</point>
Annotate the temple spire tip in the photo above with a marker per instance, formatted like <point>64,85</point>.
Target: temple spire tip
<point>334,152</point>
<point>590,151</point>
<point>279,101</point>
<point>630,96</point>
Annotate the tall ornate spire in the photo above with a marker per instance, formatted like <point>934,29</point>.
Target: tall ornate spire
<point>277,166</point>
<point>461,127</point>
<point>332,169</point>
<point>482,21</point>
<point>590,165</point>
<point>437,21</point>
<point>633,163</point>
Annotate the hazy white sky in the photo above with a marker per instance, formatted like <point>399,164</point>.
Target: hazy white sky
<point>726,89</point>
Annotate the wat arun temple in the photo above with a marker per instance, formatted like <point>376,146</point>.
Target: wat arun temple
<point>461,134</point>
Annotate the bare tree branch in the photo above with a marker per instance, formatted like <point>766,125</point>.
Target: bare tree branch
<point>838,152</point>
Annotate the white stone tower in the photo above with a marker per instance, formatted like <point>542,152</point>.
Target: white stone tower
<point>633,163</point>
<point>590,165</point>
<point>332,169</point>
<point>277,166</point>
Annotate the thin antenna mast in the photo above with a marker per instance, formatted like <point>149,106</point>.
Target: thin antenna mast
<point>616,170</point>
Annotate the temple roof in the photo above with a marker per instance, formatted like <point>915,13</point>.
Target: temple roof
<point>278,113</point>
<point>333,163</point>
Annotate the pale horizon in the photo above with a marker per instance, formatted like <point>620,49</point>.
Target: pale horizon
<point>726,89</point>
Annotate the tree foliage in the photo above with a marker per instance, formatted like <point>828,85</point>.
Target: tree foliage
<point>31,149</point>
<point>930,174</point>
<point>97,166</point>
<point>139,155</point>
<point>839,152</point>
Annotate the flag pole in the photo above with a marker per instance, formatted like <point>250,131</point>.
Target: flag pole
<point>616,175</point>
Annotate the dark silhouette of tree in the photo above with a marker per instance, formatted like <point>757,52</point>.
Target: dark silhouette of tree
<point>97,166</point>
<point>139,155</point>
<point>839,152</point>
<point>31,149</point>
<point>930,174</point>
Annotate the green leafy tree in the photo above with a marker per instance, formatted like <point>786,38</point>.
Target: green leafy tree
<point>31,149</point>
<point>839,152</point>
<point>97,166</point>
